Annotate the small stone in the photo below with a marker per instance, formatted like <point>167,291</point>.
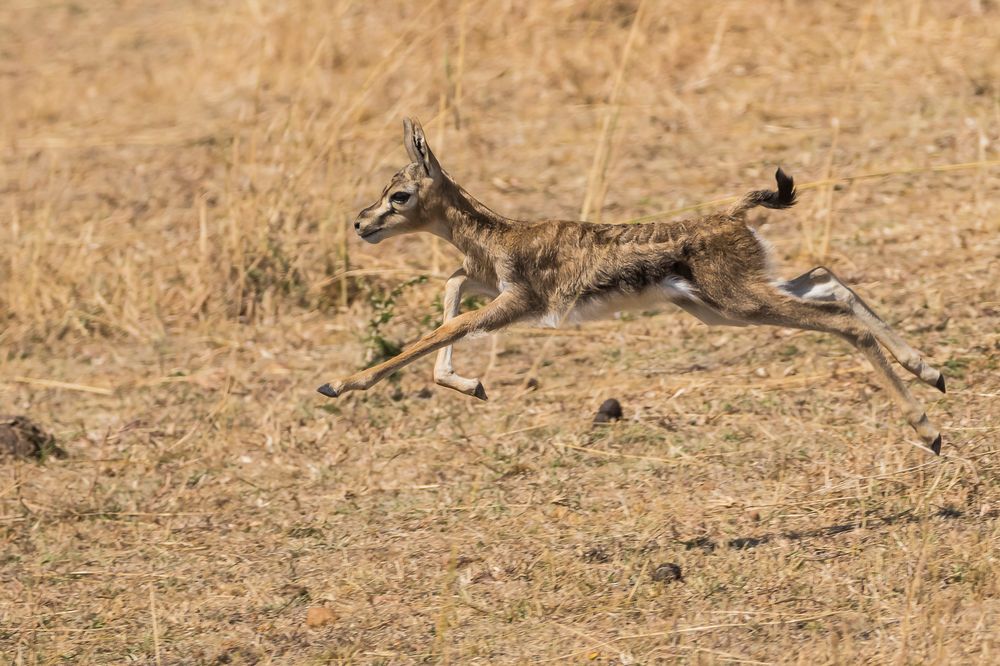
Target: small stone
<point>425,393</point>
<point>668,572</point>
<point>319,616</point>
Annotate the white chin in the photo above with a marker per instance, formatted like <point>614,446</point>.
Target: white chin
<point>373,238</point>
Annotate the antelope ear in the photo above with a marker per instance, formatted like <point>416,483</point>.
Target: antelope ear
<point>417,148</point>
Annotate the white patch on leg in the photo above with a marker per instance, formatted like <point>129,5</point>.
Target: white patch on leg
<point>676,289</point>
<point>821,292</point>
<point>817,291</point>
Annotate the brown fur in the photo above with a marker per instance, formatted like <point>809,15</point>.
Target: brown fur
<point>714,267</point>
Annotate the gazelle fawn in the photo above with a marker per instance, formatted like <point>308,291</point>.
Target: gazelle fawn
<point>714,267</point>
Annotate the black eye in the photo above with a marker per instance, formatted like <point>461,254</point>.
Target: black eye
<point>400,197</point>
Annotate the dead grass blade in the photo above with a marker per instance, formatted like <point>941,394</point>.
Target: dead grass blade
<point>593,198</point>
<point>56,384</point>
<point>886,173</point>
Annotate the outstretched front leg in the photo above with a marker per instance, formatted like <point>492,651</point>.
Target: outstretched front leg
<point>444,372</point>
<point>505,309</point>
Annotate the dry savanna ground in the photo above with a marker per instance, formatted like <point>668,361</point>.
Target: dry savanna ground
<point>178,274</point>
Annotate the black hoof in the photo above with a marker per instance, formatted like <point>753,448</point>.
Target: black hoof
<point>480,392</point>
<point>936,446</point>
<point>939,385</point>
<point>327,390</point>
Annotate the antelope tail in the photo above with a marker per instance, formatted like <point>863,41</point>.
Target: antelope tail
<point>784,197</point>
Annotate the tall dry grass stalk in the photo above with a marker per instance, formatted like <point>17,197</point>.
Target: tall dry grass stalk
<point>817,243</point>
<point>593,198</point>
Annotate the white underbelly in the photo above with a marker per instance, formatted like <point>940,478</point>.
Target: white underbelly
<point>602,307</point>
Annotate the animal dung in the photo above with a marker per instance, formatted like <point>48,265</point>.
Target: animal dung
<point>668,572</point>
<point>610,410</point>
<point>20,437</point>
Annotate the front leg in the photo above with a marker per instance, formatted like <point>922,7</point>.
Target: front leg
<point>505,309</point>
<point>444,371</point>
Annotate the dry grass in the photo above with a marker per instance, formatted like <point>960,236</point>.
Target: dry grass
<point>177,274</point>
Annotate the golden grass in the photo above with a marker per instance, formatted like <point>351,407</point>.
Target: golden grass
<point>178,273</point>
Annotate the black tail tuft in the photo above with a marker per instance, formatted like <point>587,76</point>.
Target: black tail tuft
<point>784,197</point>
<point>786,190</point>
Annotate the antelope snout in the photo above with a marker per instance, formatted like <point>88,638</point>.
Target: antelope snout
<point>367,226</point>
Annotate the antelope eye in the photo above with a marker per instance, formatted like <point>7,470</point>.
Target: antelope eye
<point>400,197</point>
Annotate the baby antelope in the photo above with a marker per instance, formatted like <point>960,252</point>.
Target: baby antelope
<point>714,267</point>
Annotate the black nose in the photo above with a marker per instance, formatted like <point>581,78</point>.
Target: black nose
<point>357,225</point>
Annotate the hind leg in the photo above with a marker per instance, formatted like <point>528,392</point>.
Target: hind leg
<point>821,285</point>
<point>766,305</point>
